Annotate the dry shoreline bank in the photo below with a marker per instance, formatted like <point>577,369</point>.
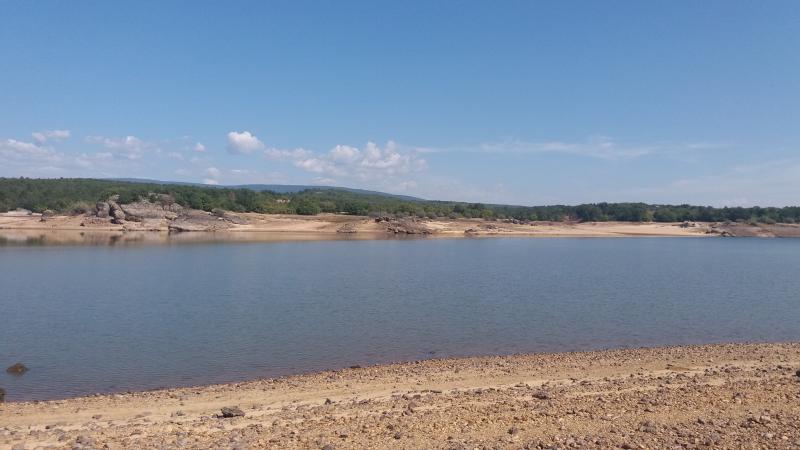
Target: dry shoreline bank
<point>709,396</point>
<point>263,227</point>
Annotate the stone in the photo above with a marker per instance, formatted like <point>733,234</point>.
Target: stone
<point>542,395</point>
<point>84,439</point>
<point>17,369</point>
<point>46,214</point>
<point>231,411</point>
<point>117,214</point>
<point>102,209</point>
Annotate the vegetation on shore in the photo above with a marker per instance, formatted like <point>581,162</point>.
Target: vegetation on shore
<point>78,195</point>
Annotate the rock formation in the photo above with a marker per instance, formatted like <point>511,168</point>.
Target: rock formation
<point>158,212</point>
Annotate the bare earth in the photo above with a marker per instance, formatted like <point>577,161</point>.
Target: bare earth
<point>263,227</point>
<point>713,396</point>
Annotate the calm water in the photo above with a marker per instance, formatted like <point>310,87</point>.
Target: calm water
<point>89,319</point>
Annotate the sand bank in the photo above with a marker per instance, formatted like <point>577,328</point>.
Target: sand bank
<point>263,227</point>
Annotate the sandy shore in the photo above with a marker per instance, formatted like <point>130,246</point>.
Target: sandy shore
<point>715,396</point>
<point>262,227</point>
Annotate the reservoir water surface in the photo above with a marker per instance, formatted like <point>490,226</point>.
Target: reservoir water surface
<point>89,319</point>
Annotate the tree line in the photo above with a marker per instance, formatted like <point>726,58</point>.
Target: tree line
<point>78,195</point>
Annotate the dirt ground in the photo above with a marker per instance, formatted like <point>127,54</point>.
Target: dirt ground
<point>714,396</point>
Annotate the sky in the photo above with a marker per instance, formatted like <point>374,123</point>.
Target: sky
<point>523,102</point>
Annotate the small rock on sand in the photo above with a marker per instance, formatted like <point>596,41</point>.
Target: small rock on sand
<point>17,369</point>
<point>233,411</point>
<point>542,395</point>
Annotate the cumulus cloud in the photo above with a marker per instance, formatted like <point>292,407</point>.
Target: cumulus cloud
<point>52,135</point>
<point>213,172</point>
<point>12,150</point>
<point>199,147</point>
<point>243,142</point>
<point>129,147</point>
<point>212,175</point>
<point>367,163</point>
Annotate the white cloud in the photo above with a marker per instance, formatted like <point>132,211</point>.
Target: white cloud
<point>53,135</point>
<point>371,162</point>
<point>600,147</point>
<point>210,181</point>
<point>597,147</point>
<point>199,147</point>
<point>298,153</point>
<point>213,172</point>
<point>20,151</point>
<point>323,181</point>
<point>243,143</point>
<point>344,153</point>
<point>129,147</point>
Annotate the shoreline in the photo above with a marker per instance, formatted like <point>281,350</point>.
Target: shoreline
<point>277,228</point>
<point>598,399</point>
<point>253,227</point>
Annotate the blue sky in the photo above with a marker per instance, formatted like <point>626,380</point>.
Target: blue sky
<point>527,102</point>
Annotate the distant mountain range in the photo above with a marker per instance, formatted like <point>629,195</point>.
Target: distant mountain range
<point>279,188</point>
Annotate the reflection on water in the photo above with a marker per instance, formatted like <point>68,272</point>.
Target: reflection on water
<point>24,238</point>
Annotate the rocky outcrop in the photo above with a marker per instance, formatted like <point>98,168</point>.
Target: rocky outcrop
<point>102,210</point>
<point>115,211</point>
<point>141,210</point>
<point>347,228</point>
<point>194,220</point>
<point>46,214</point>
<point>159,212</point>
<point>407,226</point>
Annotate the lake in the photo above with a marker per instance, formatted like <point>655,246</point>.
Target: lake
<point>89,319</point>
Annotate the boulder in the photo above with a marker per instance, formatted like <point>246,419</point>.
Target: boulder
<point>46,214</point>
<point>102,209</point>
<point>116,211</point>
<point>231,411</point>
<point>234,218</point>
<point>138,211</point>
<point>17,369</point>
<point>541,395</point>
<point>407,226</point>
<point>347,228</point>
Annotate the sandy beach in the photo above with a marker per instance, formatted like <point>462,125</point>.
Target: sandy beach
<point>712,396</point>
<point>263,227</point>
<point>252,227</point>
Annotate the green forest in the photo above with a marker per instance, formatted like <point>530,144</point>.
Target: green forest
<point>77,195</point>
